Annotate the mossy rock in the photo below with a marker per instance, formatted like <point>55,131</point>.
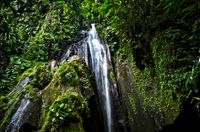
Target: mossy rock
<point>42,78</point>
<point>74,73</point>
<point>65,88</point>
<point>12,103</point>
<point>52,91</point>
<point>27,113</point>
<point>67,109</point>
<point>36,77</point>
<point>64,99</point>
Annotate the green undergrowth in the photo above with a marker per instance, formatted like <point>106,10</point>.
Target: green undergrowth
<point>16,67</point>
<point>163,38</point>
<point>34,31</point>
<point>39,78</point>
<point>176,65</point>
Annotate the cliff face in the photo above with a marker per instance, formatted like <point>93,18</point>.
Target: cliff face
<point>158,88</point>
<point>148,107</point>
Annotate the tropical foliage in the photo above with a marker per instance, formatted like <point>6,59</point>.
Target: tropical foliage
<point>162,35</point>
<point>34,31</point>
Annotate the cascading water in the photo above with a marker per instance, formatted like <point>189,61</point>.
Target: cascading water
<point>99,62</point>
<point>96,55</point>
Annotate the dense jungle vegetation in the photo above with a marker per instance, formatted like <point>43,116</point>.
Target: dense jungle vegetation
<point>163,36</point>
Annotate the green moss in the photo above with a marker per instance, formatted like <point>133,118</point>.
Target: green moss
<point>3,100</point>
<point>11,107</point>
<point>63,100</point>
<point>3,103</point>
<point>155,99</point>
<point>39,75</point>
<point>67,73</point>
<point>52,91</point>
<point>30,72</point>
<point>41,78</point>
<point>35,73</point>
<point>33,94</point>
<point>14,97</point>
<point>74,73</point>
<point>112,77</point>
<point>133,111</point>
<point>7,118</point>
<point>68,108</point>
<point>61,93</point>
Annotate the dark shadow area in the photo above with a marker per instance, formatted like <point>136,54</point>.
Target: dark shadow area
<point>187,121</point>
<point>26,127</point>
<point>94,123</point>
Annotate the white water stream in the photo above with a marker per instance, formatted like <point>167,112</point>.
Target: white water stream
<point>100,68</point>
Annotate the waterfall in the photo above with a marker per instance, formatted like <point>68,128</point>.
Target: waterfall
<point>97,56</point>
<point>99,60</point>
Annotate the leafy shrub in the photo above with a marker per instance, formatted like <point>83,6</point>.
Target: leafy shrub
<point>67,109</point>
<point>16,67</point>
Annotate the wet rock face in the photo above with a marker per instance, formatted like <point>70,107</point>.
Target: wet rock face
<point>21,85</point>
<point>27,113</point>
<point>137,119</point>
<point>136,99</point>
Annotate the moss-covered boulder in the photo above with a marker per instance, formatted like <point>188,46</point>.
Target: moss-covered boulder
<point>43,101</point>
<point>65,98</point>
<point>66,110</point>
